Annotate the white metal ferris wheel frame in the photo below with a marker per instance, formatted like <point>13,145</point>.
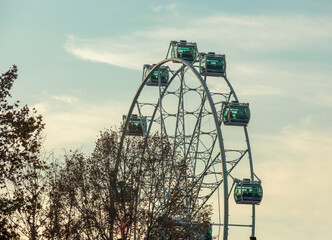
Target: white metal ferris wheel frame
<point>217,123</point>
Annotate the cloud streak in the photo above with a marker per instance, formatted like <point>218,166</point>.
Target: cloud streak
<point>170,7</point>
<point>248,40</point>
<point>73,123</point>
<point>293,166</point>
<point>110,51</point>
<point>251,34</point>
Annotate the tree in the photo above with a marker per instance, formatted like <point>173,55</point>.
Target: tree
<point>20,142</point>
<point>63,218</point>
<point>102,202</point>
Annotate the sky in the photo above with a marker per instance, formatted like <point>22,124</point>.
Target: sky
<point>80,64</point>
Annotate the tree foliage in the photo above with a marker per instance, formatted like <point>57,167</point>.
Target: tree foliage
<point>98,198</point>
<point>20,142</point>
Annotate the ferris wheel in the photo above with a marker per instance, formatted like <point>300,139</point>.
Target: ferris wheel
<point>188,99</point>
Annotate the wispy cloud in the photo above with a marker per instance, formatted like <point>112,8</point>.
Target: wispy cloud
<point>237,34</point>
<point>66,99</point>
<point>246,40</point>
<point>118,52</point>
<point>270,33</point>
<point>73,123</point>
<point>169,7</point>
<point>293,166</point>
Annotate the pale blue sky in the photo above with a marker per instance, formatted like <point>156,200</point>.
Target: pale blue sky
<point>80,63</point>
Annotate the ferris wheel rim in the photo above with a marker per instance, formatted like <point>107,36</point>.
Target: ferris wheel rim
<point>216,123</point>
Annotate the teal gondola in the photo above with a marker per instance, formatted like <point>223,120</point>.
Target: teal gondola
<point>158,77</point>
<point>248,192</point>
<point>184,50</point>
<point>236,114</point>
<point>124,192</point>
<point>212,64</point>
<point>136,125</point>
